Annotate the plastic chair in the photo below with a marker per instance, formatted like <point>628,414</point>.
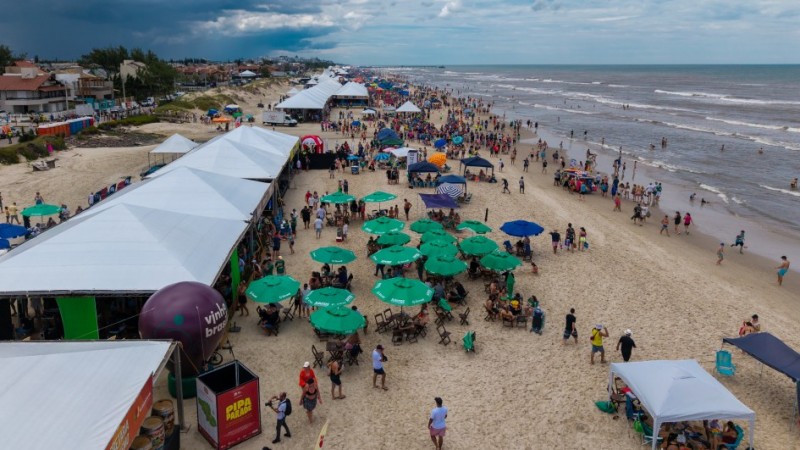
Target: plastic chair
<point>469,341</point>
<point>724,365</point>
<point>738,440</point>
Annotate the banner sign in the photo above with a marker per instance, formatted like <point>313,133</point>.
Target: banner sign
<point>129,427</point>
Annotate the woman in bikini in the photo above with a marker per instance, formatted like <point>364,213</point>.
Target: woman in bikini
<point>310,398</point>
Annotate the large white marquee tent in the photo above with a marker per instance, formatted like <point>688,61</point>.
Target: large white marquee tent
<point>676,391</point>
<point>175,144</point>
<point>313,98</point>
<point>352,90</point>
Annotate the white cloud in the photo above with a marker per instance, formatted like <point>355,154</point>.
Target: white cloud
<point>450,7</point>
<point>240,22</point>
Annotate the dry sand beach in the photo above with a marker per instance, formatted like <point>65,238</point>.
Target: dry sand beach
<point>519,390</point>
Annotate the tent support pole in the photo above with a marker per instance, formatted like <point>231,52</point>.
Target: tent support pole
<point>176,356</point>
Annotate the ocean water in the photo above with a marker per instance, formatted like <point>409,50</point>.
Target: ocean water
<point>698,109</point>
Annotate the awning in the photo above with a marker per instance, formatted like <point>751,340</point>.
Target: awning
<point>423,167</point>
<point>771,351</point>
<point>438,201</point>
<point>175,144</point>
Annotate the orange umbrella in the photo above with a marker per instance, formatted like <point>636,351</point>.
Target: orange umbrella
<point>220,119</point>
<point>438,158</point>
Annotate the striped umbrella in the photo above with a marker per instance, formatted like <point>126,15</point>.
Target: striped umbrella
<point>453,190</point>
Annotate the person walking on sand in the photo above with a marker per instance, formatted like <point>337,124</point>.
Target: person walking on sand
<point>677,221</point>
<point>626,343</point>
<point>436,423</point>
<point>378,358</point>
<point>664,225</point>
<point>406,207</point>
<point>617,203</point>
<point>720,253</point>
<point>335,374</point>
<point>782,269</point>
<point>505,186</point>
<point>521,185</point>
<point>570,329</point>
<point>310,398</point>
<point>318,227</point>
<point>687,220</point>
<point>598,333</point>
<point>555,239</point>
<point>280,410</point>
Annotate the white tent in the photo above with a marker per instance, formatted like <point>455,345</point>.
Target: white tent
<point>191,191</point>
<point>402,152</point>
<point>246,152</point>
<point>675,391</point>
<point>312,98</point>
<point>175,144</point>
<point>47,406</point>
<point>368,112</point>
<point>123,249</point>
<point>408,107</point>
<point>292,91</point>
<point>352,90</point>
<point>247,74</point>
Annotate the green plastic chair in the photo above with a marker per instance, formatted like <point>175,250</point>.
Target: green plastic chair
<point>469,341</point>
<point>724,365</point>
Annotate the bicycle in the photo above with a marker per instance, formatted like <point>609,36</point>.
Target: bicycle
<point>216,357</point>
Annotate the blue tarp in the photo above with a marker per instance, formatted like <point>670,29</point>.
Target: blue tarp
<point>476,161</point>
<point>423,166</point>
<point>771,351</point>
<point>438,201</point>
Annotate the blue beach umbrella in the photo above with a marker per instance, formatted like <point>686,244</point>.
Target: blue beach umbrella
<point>381,157</point>
<point>9,231</point>
<point>356,123</point>
<point>4,244</point>
<point>353,158</point>
<point>521,228</point>
<point>440,143</point>
<point>458,140</point>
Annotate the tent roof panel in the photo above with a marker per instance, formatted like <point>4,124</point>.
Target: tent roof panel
<point>313,98</point>
<point>352,89</point>
<point>175,144</point>
<point>408,107</point>
<point>771,351</point>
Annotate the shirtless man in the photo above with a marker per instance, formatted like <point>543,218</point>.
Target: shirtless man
<point>782,269</point>
<point>664,225</point>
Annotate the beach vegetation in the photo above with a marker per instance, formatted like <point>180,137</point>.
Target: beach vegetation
<point>31,150</point>
<point>156,78</point>
<point>202,102</point>
<point>133,121</point>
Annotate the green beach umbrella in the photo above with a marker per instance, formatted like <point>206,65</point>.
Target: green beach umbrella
<point>396,255</point>
<point>41,210</point>
<point>478,246</point>
<point>379,197</point>
<point>329,297</point>
<point>272,289</point>
<point>382,225</point>
<point>402,292</point>
<point>338,320</point>
<point>437,247</point>
<point>445,266</point>
<point>337,198</point>
<point>444,305</point>
<point>424,225</point>
<point>474,225</point>
<point>394,238</point>
<point>438,235</point>
<point>333,255</point>
<point>500,261</point>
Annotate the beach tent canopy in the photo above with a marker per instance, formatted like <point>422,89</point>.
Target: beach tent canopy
<point>191,191</point>
<point>246,152</point>
<point>386,134</point>
<point>175,144</point>
<point>292,91</point>
<point>368,112</point>
<point>423,167</point>
<point>313,98</point>
<point>45,406</point>
<point>769,350</point>
<point>476,161</point>
<point>402,152</point>
<point>452,179</point>
<point>247,74</point>
<point>123,249</point>
<point>676,391</point>
<point>408,107</point>
<point>438,201</point>
<point>352,90</point>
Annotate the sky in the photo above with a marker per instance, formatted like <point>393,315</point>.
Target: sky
<point>416,32</point>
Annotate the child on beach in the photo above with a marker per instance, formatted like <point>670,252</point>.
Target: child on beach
<point>720,253</point>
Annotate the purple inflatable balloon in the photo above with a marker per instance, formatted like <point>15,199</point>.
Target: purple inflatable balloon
<point>191,313</point>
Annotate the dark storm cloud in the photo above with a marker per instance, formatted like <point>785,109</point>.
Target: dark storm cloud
<point>67,29</point>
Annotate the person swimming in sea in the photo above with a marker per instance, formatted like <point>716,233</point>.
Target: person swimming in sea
<point>703,202</point>
<point>793,184</point>
<point>691,197</point>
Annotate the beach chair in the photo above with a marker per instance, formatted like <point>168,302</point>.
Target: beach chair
<point>509,248</point>
<point>509,322</point>
<point>319,358</point>
<point>469,341</point>
<point>467,198</point>
<point>490,315</point>
<point>647,434</point>
<point>464,316</point>
<point>397,336</point>
<point>381,325</point>
<point>724,365</point>
<point>739,437</point>
<point>522,320</point>
<point>444,335</point>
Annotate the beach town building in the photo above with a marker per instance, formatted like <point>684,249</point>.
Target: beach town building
<point>25,88</point>
<point>130,69</point>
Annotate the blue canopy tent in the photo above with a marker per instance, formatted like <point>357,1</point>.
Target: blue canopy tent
<point>438,201</point>
<point>476,161</point>
<point>772,352</point>
<point>453,179</point>
<point>389,137</point>
<point>423,167</point>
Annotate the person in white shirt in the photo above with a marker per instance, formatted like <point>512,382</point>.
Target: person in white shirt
<point>378,359</point>
<point>436,423</point>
